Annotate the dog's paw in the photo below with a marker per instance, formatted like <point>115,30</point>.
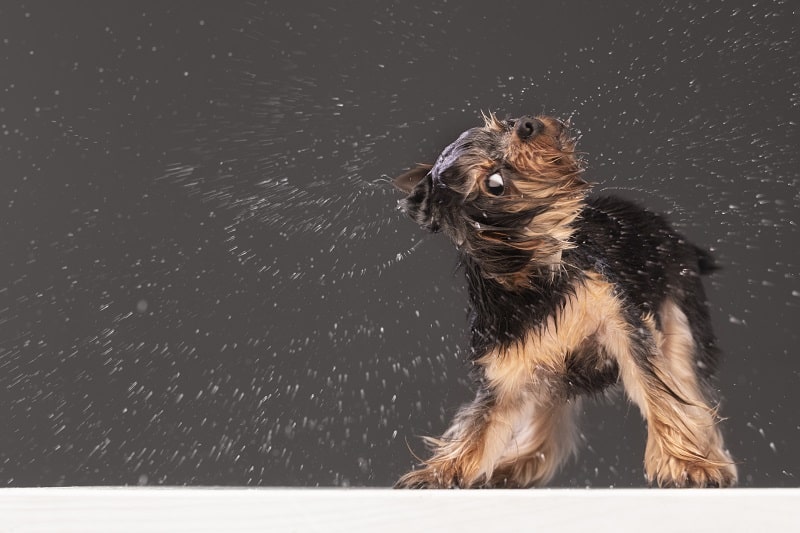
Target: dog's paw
<point>696,473</point>
<point>426,478</point>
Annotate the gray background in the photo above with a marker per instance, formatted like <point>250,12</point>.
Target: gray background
<point>204,277</point>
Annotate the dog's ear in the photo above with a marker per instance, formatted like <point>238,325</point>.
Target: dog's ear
<point>406,181</point>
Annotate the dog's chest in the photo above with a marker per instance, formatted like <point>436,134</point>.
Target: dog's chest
<point>566,347</point>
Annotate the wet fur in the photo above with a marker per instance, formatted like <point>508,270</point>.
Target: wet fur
<point>569,295</point>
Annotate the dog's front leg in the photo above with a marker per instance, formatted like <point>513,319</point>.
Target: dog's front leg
<point>465,456</point>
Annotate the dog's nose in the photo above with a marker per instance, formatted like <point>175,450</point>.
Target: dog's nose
<point>527,127</point>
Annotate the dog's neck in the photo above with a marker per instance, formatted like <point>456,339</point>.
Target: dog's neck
<point>539,273</point>
<point>501,312</point>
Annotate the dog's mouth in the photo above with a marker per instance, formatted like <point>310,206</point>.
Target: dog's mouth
<point>430,203</point>
<point>418,203</point>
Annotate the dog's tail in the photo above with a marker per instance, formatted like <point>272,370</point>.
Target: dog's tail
<point>706,262</point>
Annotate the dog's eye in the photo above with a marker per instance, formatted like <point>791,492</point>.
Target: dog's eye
<point>495,184</point>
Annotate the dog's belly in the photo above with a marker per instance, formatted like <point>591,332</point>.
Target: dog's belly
<point>588,370</point>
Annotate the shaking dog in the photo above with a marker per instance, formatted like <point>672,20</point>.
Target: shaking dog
<point>569,295</point>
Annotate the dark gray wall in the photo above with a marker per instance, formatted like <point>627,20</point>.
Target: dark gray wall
<point>204,276</point>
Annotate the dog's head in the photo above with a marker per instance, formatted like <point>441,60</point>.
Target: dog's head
<point>505,193</point>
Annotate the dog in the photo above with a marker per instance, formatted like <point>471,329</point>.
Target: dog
<point>569,295</point>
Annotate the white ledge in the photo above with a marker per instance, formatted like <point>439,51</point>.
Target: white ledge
<point>89,510</point>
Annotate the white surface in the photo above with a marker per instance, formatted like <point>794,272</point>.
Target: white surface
<point>220,510</point>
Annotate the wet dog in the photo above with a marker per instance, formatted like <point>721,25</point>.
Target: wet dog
<point>569,295</point>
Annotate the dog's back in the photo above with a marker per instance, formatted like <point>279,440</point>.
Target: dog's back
<point>648,261</point>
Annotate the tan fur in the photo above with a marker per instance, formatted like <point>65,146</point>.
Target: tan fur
<point>539,445</point>
<point>553,175</point>
<point>517,443</point>
<point>543,352</point>
<point>684,444</point>
<point>491,122</point>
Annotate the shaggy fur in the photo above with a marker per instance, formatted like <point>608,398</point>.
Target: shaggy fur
<point>569,295</point>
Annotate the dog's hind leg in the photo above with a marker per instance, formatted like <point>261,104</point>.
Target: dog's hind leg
<point>658,369</point>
